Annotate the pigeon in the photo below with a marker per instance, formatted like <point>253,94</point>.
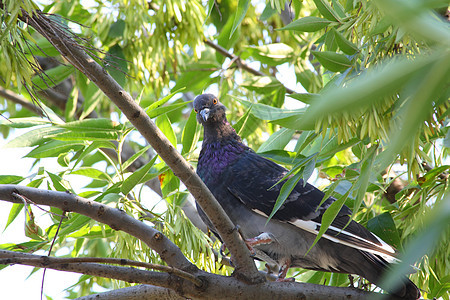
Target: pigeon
<point>247,185</point>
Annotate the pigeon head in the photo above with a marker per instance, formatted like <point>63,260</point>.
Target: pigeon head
<point>211,114</point>
<point>209,110</point>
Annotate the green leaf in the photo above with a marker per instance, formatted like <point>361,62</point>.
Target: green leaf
<point>32,137</point>
<point>421,95</point>
<point>307,98</point>
<point>329,215</point>
<point>117,28</point>
<point>262,84</point>
<point>117,65</point>
<point>332,61</point>
<point>98,124</point>
<point>162,101</point>
<point>307,24</point>
<point>10,179</point>
<point>54,148</point>
<point>24,122</point>
<point>85,136</point>
<point>92,96</point>
<point>345,45</point>
<point>44,48</point>
<point>325,9</point>
<point>190,136</point>
<point>285,191</point>
<point>424,242</point>
<point>267,12</point>
<point>271,54</point>
<point>366,89</point>
<point>92,173</point>
<point>52,77</point>
<point>241,11</point>
<point>277,141</point>
<point>282,157</point>
<point>135,156</point>
<point>59,183</point>
<point>137,176</point>
<point>270,113</point>
<point>166,109</point>
<point>13,213</point>
<point>165,126</point>
<point>384,227</point>
<point>74,224</point>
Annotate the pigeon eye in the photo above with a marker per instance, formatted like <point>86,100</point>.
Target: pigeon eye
<point>214,101</point>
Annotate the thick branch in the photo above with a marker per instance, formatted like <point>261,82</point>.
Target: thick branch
<point>236,59</point>
<point>77,56</point>
<point>115,218</point>
<point>215,286</point>
<point>139,292</point>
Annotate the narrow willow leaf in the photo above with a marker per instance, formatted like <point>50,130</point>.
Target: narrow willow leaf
<point>165,126</point>
<point>10,179</point>
<point>24,122</point>
<point>52,77</point>
<point>417,108</point>
<point>137,176</point>
<point>345,45</point>
<point>424,242</point>
<point>306,98</point>
<point>166,109</point>
<point>307,24</point>
<point>277,141</point>
<point>241,11</point>
<point>74,224</point>
<point>332,61</point>
<point>92,173</point>
<point>135,156</point>
<point>270,113</point>
<point>367,88</point>
<point>189,137</point>
<point>328,217</point>
<point>98,124</point>
<point>325,9</point>
<point>54,148</point>
<point>32,137</point>
<point>162,101</point>
<point>13,213</point>
<point>59,183</point>
<point>285,191</point>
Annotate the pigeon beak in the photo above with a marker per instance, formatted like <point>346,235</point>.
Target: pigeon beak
<point>205,114</point>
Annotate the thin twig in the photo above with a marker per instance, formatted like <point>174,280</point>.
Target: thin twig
<point>236,59</point>
<point>13,97</point>
<point>48,261</point>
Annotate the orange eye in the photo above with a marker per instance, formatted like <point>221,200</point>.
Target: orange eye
<point>196,111</point>
<point>214,101</point>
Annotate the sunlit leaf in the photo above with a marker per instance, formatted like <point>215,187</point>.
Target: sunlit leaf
<point>332,61</point>
<point>307,24</point>
<point>137,176</point>
<point>241,11</point>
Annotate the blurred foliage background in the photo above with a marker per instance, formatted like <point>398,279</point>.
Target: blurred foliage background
<point>353,94</point>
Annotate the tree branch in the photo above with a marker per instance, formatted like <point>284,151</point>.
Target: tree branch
<point>115,218</point>
<point>13,97</point>
<point>76,55</point>
<point>138,292</point>
<point>214,286</point>
<point>10,257</point>
<point>237,60</point>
